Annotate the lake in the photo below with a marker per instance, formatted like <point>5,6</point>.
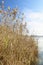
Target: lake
<point>40,50</point>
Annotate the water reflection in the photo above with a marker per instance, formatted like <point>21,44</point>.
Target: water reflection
<point>40,45</point>
<point>40,48</point>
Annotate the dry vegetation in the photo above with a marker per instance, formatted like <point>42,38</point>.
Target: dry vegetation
<point>15,47</point>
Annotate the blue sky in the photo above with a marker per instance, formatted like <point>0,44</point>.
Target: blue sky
<point>35,5</point>
<point>33,10</point>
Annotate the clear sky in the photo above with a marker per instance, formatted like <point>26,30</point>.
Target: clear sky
<point>33,10</point>
<point>35,5</point>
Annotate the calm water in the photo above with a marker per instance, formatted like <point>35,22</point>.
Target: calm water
<point>40,45</point>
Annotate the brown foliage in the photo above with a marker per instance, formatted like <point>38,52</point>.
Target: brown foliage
<point>17,49</point>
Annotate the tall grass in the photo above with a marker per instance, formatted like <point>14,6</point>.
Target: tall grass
<point>16,47</point>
